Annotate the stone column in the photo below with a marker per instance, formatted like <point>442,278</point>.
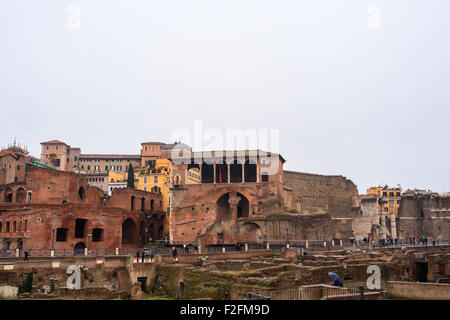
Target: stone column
<point>267,246</point>
<point>246,247</point>
<point>117,251</point>
<point>393,226</point>
<point>214,168</point>
<point>228,171</point>
<point>243,173</point>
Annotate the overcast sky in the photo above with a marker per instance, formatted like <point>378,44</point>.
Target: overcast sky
<point>356,88</point>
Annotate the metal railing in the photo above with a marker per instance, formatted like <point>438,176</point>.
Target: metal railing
<point>318,292</point>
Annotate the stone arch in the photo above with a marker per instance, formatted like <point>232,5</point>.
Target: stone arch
<point>81,193</point>
<point>21,195</point>
<point>250,170</point>
<point>78,249</point>
<point>8,195</point>
<point>252,232</point>
<point>223,206</point>
<point>129,234</point>
<point>19,244</point>
<point>243,206</point>
<point>235,171</point>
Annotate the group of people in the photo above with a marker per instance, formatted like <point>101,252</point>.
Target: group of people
<point>185,248</point>
<point>147,255</point>
<point>422,240</point>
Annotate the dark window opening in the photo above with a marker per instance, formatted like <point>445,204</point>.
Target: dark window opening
<point>235,172</point>
<point>160,232</point>
<point>265,177</point>
<point>207,173</point>
<point>80,227</point>
<point>143,204</point>
<point>129,235</point>
<point>152,204</point>
<point>250,171</point>
<point>221,173</point>
<point>97,235</point>
<point>132,202</point>
<point>61,234</point>
<point>81,193</point>
<point>223,206</point>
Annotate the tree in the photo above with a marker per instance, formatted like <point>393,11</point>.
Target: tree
<point>52,158</point>
<point>130,180</point>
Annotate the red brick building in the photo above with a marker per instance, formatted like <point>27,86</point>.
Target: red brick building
<point>58,209</point>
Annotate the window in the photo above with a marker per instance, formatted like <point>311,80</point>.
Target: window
<point>97,168</point>
<point>97,235</point>
<point>89,168</point>
<point>386,209</point>
<point>57,147</point>
<point>75,158</point>
<point>46,147</point>
<point>61,234</point>
<point>145,188</point>
<point>57,162</point>
<point>82,167</point>
<point>155,179</point>
<point>80,225</point>
<point>145,179</point>
<point>106,168</point>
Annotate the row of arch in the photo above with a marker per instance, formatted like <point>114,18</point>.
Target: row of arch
<point>141,204</point>
<point>7,226</point>
<point>19,195</point>
<point>234,172</point>
<point>131,235</point>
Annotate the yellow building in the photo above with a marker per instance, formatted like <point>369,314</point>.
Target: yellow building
<point>389,199</point>
<point>115,177</point>
<point>156,179</point>
<point>193,176</point>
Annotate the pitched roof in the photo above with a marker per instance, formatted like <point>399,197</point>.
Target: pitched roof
<point>53,142</point>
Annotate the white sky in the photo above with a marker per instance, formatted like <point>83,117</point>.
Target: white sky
<point>347,98</point>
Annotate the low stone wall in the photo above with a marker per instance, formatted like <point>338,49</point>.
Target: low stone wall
<point>418,290</point>
<point>191,258</point>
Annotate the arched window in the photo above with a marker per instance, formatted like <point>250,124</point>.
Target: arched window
<point>265,177</point>
<point>81,193</point>
<point>132,202</point>
<point>250,170</point>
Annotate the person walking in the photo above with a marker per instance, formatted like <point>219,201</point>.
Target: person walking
<point>143,254</point>
<point>137,256</point>
<point>174,253</point>
<point>151,256</point>
<point>25,255</point>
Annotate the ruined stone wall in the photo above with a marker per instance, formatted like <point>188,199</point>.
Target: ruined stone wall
<point>320,193</point>
<point>365,217</point>
<point>427,215</point>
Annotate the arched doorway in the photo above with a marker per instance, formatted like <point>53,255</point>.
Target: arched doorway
<point>223,206</point>
<point>79,249</point>
<point>8,195</point>
<point>243,206</point>
<point>129,234</point>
